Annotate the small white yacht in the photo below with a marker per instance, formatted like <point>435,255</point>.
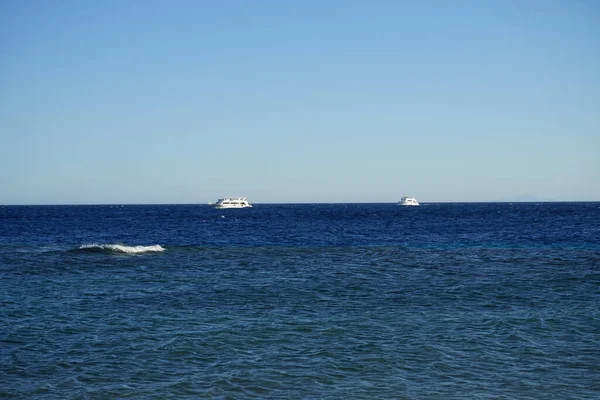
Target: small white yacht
<point>408,201</point>
<point>233,202</point>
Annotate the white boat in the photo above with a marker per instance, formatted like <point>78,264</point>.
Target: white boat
<point>233,202</point>
<point>408,201</point>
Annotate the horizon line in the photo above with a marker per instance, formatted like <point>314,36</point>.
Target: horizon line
<point>299,203</point>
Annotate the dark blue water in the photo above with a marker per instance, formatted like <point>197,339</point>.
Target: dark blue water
<point>344,301</point>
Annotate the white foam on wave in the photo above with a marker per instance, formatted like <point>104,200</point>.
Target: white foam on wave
<point>124,249</point>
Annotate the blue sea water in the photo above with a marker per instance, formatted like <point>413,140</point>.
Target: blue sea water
<point>311,301</point>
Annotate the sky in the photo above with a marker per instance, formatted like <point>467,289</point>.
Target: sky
<point>167,102</point>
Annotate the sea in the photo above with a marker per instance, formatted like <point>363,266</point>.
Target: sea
<point>300,301</point>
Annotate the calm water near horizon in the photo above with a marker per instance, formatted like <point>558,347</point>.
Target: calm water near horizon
<point>301,301</point>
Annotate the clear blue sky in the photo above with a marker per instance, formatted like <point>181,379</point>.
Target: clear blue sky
<point>308,101</point>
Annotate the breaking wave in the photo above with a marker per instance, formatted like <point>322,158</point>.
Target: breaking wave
<point>120,248</point>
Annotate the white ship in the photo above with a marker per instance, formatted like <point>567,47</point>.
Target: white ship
<point>408,201</point>
<point>233,202</point>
